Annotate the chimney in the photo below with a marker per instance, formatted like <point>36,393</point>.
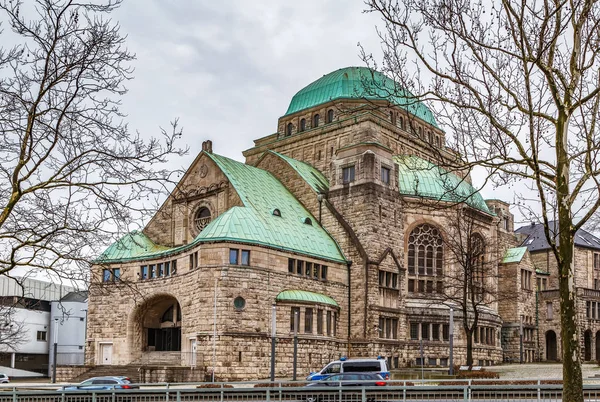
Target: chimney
<point>207,146</point>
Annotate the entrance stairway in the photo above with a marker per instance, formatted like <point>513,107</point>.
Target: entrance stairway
<point>132,371</point>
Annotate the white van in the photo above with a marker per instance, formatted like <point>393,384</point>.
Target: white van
<point>345,365</point>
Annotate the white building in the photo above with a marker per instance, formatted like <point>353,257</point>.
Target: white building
<point>68,329</point>
<point>26,305</point>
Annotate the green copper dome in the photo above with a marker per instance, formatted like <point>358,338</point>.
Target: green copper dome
<point>358,83</point>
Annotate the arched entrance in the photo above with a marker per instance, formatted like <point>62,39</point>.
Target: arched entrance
<point>587,345</point>
<point>598,346</point>
<point>551,346</point>
<point>159,321</point>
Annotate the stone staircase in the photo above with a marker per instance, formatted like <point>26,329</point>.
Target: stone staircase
<point>132,371</point>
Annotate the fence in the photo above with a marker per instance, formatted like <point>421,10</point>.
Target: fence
<point>283,392</point>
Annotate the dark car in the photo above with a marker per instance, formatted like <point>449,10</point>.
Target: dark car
<point>102,383</point>
<point>343,380</point>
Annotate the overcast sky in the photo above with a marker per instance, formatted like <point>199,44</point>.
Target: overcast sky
<point>228,69</point>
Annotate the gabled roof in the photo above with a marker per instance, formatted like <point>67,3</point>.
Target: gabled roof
<point>305,296</point>
<point>315,179</point>
<point>254,223</point>
<point>421,178</point>
<point>358,83</point>
<point>514,254</point>
<point>536,238</point>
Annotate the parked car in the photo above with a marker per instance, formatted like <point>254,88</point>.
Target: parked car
<point>378,366</point>
<point>4,379</point>
<point>344,380</point>
<point>102,383</point>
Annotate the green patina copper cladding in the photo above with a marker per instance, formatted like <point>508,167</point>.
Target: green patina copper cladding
<point>261,193</point>
<point>513,255</point>
<point>304,296</point>
<point>133,245</point>
<point>358,83</point>
<point>312,176</point>
<point>420,178</point>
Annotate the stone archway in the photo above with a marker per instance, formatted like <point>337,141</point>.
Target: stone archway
<point>551,346</point>
<point>157,325</point>
<point>587,345</point>
<point>598,346</point>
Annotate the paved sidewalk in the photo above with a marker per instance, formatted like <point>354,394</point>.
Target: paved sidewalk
<point>541,370</point>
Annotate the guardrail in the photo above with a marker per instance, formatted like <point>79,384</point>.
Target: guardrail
<point>284,392</point>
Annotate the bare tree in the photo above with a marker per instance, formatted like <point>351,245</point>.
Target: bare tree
<point>470,278</point>
<point>12,329</point>
<point>72,175</point>
<point>516,86</point>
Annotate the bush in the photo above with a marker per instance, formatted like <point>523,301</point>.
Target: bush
<point>467,374</point>
<point>277,384</point>
<point>213,385</point>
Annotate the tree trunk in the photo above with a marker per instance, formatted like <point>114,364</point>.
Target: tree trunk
<point>469,333</point>
<point>572,380</point>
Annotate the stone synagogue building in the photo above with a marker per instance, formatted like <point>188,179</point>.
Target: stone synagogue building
<point>345,218</point>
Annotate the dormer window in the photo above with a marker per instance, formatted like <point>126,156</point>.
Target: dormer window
<point>316,120</point>
<point>307,221</point>
<point>276,212</point>
<point>289,129</point>
<point>302,124</point>
<point>330,116</point>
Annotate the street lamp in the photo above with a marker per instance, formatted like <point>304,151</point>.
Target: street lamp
<point>273,331</point>
<point>296,318</point>
<point>451,339</point>
<point>55,353</point>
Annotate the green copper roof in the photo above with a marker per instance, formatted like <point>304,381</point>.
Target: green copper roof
<point>261,193</point>
<point>254,223</point>
<point>421,178</point>
<point>131,246</point>
<point>312,176</point>
<point>514,255</point>
<point>358,83</point>
<point>304,296</point>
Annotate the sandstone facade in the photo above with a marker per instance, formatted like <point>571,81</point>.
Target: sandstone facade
<point>212,307</point>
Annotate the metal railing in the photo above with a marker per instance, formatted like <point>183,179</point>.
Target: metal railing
<point>70,359</point>
<point>442,391</point>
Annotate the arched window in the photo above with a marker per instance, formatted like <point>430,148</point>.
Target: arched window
<point>477,257</point>
<point>430,137</point>
<point>316,120</point>
<point>302,124</point>
<point>401,122</point>
<point>289,129</point>
<point>392,117</point>
<point>330,116</point>
<point>202,218</point>
<point>420,132</point>
<point>437,141</point>
<point>425,259</point>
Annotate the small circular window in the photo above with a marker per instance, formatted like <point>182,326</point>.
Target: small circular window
<point>239,303</point>
<point>202,218</point>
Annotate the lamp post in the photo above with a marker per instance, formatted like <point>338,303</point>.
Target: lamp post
<point>295,343</point>
<point>273,331</point>
<point>521,341</point>
<point>320,198</point>
<point>214,340</point>
<point>451,339</point>
<point>55,352</point>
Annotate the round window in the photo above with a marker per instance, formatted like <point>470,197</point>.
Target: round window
<point>239,303</point>
<point>202,218</point>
